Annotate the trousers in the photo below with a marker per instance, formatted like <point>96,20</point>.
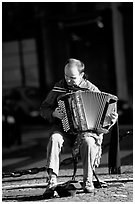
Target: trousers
<point>89,149</point>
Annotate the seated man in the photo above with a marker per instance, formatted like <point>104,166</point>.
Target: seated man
<point>90,148</point>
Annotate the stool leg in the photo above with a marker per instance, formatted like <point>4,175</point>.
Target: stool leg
<point>75,161</point>
<point>97,179</point>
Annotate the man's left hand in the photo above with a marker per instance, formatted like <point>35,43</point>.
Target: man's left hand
<point>113,117</point>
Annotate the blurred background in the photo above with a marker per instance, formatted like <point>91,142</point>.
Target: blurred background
<point>37,40</point>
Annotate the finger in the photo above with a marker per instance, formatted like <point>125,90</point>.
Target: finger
<point>57,109</point>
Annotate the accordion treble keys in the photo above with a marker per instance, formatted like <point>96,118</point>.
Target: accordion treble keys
<point>64,120</point>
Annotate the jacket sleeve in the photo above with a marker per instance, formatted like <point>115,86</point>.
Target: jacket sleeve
<point>48,106</point>
<point>50,103</point>
<point>92,87</point>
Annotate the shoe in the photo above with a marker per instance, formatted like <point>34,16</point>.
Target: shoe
<point>88,186</point>
<point>49,192</point>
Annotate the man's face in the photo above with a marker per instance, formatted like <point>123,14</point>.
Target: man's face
<point>72,76</point>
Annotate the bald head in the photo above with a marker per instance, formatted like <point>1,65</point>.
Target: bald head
<point>74,71</point>
<point>71,63</point>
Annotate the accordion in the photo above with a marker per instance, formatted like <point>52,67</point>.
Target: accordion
<point>87,111</point>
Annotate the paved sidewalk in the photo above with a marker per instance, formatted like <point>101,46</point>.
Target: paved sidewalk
<point>31,187</point>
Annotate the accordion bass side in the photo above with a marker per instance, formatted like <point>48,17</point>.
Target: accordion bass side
<point>87,111</point>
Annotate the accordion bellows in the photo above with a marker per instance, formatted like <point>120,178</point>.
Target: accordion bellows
<point>87,111</point>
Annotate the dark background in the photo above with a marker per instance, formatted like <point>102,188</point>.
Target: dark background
<point>62,30</point>
<point>37,40</point>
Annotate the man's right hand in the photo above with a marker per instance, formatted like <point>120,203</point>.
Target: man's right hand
<point>58,113</point>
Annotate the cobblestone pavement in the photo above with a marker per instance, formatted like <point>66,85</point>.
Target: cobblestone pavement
<point>31,187</point>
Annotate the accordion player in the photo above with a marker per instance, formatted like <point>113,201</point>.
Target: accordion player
<point>87,111</point>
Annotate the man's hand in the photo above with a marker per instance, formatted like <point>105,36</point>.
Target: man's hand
<point>58,113</point>
<point>113,117</point>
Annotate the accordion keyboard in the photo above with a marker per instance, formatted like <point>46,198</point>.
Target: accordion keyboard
<point>65,122</point>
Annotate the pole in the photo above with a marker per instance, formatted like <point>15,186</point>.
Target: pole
<point>114,151</point>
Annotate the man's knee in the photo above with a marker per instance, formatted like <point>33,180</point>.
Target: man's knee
<point>57,138</point>
<point>89,141</point>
